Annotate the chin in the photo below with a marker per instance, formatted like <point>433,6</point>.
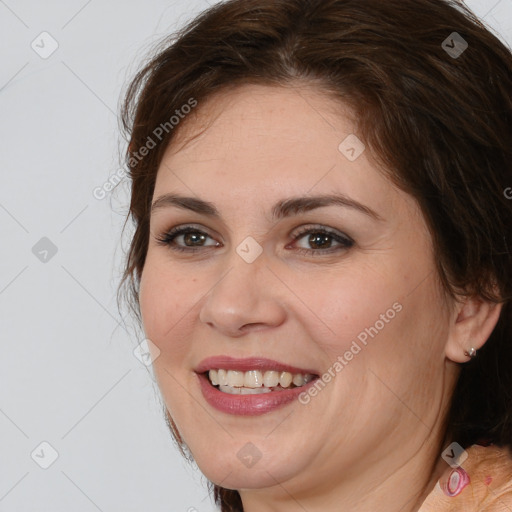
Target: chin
<point>234,471</point>
<point>245,478</point>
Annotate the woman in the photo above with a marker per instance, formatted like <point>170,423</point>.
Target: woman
<point>321,257</point>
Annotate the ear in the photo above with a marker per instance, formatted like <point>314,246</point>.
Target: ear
<point>473,320</point>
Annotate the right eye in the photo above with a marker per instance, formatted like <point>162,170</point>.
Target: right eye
<point>191,237</point>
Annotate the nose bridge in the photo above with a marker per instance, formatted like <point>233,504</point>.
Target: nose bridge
<point>240,288</point>
<point>242,296</point>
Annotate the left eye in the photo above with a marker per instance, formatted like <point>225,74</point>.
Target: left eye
<point>323,239</point>
<point>193,240</point>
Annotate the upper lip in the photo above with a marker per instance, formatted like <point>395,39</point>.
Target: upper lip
<point>247,364</point>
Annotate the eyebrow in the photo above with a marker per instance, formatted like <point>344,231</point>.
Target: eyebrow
<point>283,208</point>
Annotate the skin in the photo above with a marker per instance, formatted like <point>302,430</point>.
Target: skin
<point>371,439</point>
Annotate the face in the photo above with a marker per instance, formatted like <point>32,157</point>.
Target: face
<point>345,289</point>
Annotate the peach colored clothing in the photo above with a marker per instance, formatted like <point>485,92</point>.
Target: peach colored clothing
<point>482,483</point>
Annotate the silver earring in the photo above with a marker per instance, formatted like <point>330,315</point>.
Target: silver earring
<point>471,353</point>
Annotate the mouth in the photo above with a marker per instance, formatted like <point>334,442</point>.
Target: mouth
<point>255,382</point>
<point>253,376</point>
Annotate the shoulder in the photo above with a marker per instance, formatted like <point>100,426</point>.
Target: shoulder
<point>481,483</point>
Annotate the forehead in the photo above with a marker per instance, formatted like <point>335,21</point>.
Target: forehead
<point>287,121</point>
<point>274,140</point>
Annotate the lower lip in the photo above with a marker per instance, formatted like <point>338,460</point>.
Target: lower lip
<point>248,405</point>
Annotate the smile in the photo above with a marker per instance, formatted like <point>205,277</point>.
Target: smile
<point>255,382</point>
<point>251,386</point>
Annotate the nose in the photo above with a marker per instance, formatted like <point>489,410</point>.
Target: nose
<point>248,297</point>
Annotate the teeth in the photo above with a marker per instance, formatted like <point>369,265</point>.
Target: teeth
<point>243,391</point>
<point>298,379</point>
<point>250,391</point>
<point>235,379</point>
<point>271,379</point>
<point>222,377</point>
<point>255,381</point>
<point>285,379</point>
<point>229,389</point>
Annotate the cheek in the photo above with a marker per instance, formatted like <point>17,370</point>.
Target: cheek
<point>349,306</point>
<point>165,298</point>
<point>376,316</point>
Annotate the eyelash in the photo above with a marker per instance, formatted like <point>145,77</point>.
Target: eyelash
<point>168,238</point>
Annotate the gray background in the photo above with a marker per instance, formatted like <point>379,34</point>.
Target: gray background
<point>69,376</point>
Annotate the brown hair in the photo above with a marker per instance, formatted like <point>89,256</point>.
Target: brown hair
<point>439,123</point>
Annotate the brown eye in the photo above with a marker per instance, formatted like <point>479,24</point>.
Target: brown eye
<point>191,239</point>
<point>320,240</point>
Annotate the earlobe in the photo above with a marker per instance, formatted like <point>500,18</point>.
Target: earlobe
<point>472,323</point>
